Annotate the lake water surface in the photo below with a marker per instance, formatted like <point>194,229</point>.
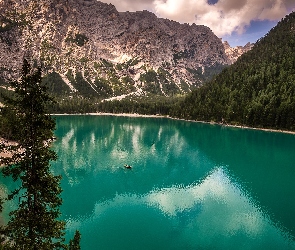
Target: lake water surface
<point>191,186</point>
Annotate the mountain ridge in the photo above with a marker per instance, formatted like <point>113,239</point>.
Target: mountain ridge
<point>98,51</point>
<point>257,90</point>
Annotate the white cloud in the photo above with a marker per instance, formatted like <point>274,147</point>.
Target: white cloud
<point>214,207</point>
<point>224,17</point>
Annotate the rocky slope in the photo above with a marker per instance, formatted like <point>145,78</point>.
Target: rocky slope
<point>234,53</point>
<point>88,47</point>
<point>258,90</point>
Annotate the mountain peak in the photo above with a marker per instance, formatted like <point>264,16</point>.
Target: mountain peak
<point>233,53</point>
<point>127,51</point>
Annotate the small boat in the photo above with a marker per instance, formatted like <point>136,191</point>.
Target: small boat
<point>127,166</point>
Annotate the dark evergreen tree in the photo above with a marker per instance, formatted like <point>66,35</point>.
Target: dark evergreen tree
<point>257,90</point>
<point>75,242</point>
<point>34,225</point>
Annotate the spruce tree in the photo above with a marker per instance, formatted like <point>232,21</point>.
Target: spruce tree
<point>75,242</point>
<point>34,225</point>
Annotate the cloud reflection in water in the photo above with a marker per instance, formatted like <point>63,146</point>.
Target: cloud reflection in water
<point>199,214</point>
<point>174,197</point>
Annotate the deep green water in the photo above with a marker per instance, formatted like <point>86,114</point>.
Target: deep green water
<point>191,186</point>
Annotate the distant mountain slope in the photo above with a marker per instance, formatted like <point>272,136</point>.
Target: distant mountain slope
<point>93,50</point>
<point>234,53</point>
<point>258,90</point>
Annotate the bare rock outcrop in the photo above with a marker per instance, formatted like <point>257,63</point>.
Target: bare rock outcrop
<point>128,51</point>
<point>233,53</point>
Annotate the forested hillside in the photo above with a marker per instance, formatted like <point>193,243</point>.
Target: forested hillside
<point>258,90</point>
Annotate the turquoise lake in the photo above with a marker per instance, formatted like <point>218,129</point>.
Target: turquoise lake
<point>191,186</point>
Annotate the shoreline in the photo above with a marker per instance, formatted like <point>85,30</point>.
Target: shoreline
<point>135,115</point>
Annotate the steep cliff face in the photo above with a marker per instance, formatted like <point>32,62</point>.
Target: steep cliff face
<point>233,53</point>
<point>99,51</point>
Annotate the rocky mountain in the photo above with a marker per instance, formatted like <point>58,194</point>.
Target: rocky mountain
<point>233,53</point>
<point>258,90</point>
<point>89,48</point>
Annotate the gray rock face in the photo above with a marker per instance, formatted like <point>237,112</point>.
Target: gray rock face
<point>234,53</point>
<point>130,52</point>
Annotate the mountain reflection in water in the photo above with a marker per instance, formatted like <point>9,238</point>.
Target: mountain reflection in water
<point>191,186</point>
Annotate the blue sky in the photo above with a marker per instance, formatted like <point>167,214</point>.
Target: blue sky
<point>212,2</point>
<point>235,21</point>
<point>253,32</point>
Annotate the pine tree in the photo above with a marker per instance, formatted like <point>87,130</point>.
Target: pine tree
<point>75,243</point>
<point>34,225</point>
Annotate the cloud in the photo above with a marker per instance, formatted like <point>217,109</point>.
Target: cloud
<point>223,16</point>
<point>198,211</point>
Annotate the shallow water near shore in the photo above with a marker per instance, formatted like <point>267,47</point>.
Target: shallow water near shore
<point>191,185</point>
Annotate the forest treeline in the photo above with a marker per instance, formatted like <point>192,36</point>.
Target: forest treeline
<point>258,90</point>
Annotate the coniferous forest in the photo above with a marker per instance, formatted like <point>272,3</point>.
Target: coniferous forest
<point>258,90</point>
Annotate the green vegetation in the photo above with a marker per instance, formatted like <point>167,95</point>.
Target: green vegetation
<point>131,62</point>
<point>206,74</point>
<point>74,104</point>
<point>7,25</point>
<point>150,105</point>
<point>55,84</point>
<point>183,55</point>
<point>106,63</point>
<point>258,90</point>
<point>75,243</point>
<point>83,86</point>
<point>79,39</point>
<point>8,124</point>
<point>152,81</point>
<point>12,20</point>
<point>127,80</point>
<point>8,22</point>
<point>103,87</point>
<point>35,223</point>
